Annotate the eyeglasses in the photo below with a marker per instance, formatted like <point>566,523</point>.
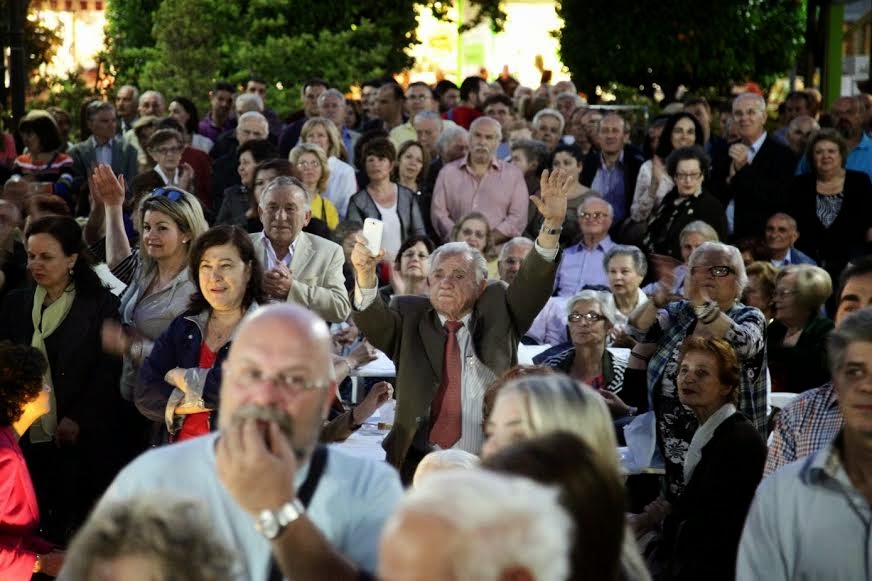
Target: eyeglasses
<point>411,255</point>
<point>286,381</point>
<point>715,271</point>
<point>308,164</point>
<point>593,216</point>
<point>171,150</point>
<point>590,317</point>
<point>170,194</point>
<point>688,176</point>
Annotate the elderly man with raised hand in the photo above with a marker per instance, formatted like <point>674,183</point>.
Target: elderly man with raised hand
<point>481,182</point>
<point>281,501</point>
<point>582,264</point>
<point>298,267</point>
<point>462,525</point>
<point>811,519</point>
<point>760,169</point>
<point>810,421</point>
<point>781,234</point>
<point>449,347</point>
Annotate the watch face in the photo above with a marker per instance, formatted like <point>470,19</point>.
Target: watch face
<point>267,524</point>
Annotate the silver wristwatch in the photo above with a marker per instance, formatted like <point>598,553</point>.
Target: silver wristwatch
<point>271,523</point>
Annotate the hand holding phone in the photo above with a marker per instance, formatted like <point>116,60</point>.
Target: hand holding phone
<point>373,230</point>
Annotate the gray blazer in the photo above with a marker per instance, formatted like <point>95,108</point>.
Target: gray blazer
<point>85,158</point>
<point>318,283</point>
<point>362,206</point>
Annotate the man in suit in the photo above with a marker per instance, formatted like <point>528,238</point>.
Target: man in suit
<point>612,170</point>
<point>104,146</point>
<point>298,267</point>
<point>449,347</point>
<point>781,234</point>
<point>760,169</point>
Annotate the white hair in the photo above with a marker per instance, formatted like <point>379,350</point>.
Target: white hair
<point>462,248</point>
<point>636,255</point>
<point>485,119</point>
<point>607,307</point>
<point>444,460</point>
<point>253,115</point>
<point>152,93</point>
<point>549,112</point>
<point>594,197</point>
<point>336,93</point>
<point>498,522</point>
<point>731,253</point>
<point>431,115</point>
<point>758,100</point>
<point>704,229</point>
<point>511,244</point>
<point>448,135</point>
<point>576,100</point>
<point>248,102</point>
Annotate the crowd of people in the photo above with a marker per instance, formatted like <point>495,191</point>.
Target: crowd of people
<point>183,300</point>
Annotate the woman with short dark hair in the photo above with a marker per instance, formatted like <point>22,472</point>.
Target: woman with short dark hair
<point>179,380</point>
<point>45,168</point>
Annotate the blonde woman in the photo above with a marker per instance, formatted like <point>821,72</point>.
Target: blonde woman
<point>342,183</point>
<point>311,167</point>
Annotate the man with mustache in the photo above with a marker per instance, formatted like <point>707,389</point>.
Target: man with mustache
<point>479,181</point>
<point>256,473</point>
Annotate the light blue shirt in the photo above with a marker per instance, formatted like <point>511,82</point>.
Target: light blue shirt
<point>808,521</point>
<point>580,267</point>
<point>609,181</point>
<point>354,498</point>
<point>859,158</point>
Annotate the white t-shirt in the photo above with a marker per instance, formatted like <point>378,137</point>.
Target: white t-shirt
<point>392,237</point>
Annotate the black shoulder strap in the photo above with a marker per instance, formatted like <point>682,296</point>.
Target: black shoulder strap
<point>304,494</point>
<point>316,469</point>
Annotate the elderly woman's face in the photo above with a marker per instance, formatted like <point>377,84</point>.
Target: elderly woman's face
<point>474,233</point>
<point>689,244</point>
<point>699,385</point>
<point>506,425</point>
<point>712,277</point>
<point>590,327</point>
<point>688,177</point>
<point>415,261</point>
<point>787,305</point>
<point>624,279</point>
<point>827,157</point>
<point>755,295</point>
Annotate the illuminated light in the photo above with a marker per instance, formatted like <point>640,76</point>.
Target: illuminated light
<point>280,86</point>
<point>353,27</point>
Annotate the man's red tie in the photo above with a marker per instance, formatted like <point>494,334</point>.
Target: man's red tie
<point>445,412</point>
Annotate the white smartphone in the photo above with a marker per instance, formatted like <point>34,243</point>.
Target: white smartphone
<point>372,231</point>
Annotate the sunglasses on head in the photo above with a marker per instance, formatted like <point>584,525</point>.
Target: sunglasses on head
<point>171,194</point>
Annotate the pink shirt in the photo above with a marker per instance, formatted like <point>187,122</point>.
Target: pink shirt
<point>501,195</point>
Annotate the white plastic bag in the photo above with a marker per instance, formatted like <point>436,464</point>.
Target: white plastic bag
<point>641,438</point>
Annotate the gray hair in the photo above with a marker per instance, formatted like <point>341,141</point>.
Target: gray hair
<point>549,112</point>
<point>758,100</point>
<point>95,107</point>
<point>791,221</point>
<point>576,100</point>
<point>462,248</point>
<point>794,123</point>
<point>498,522</point>
<point>336,93</point>
<point>285,182</point>
<point>603,298</point>
<point>439,460</point>
<point>449,134</point>
<point>253,115</point>
<point>248,102</point>
<point>639,262</point>
<point>516,241</point>
<point>855,327</point>
<point>591,197</point>
<point>132,88</point>
<point>429,115</point>
<point>733,256</point>
<point>485,119</point>
<point>704,229</point>
<point>152,93</point>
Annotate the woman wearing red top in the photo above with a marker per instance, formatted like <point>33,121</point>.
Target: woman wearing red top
<point>179,380</point>
<point>25,397</point>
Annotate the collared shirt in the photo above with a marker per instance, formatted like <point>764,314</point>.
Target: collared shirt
<point>500,194</point>
<point>208,128</point>
<point>403,133</point>
<point>808,521</point>
<point>786,261</point>
<point>353,500</point>
<point>609,181</point>
<point>582,266</point>
<point>102,152</point>
<point>272,259</point>
<point>754,148</point>
<point>166,180</point>
<point>804,426</point>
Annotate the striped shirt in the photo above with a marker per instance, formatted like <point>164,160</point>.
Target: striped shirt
<point>805,425</point>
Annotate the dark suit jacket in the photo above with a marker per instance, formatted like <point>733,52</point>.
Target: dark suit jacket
<point>409,332</point>
<point>760,188</point>
<point>701,536</point>
<point>633,160</point>
<point>832,247</point>
<point>224,175</point>
<point>85,158</point>
<point>803,366</point>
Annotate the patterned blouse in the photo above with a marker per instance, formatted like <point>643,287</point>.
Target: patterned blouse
<point>676,424</point>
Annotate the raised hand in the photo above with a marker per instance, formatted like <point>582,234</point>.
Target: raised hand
<point>364,262</point>
<point>106,186</point>
<point>554,190</point>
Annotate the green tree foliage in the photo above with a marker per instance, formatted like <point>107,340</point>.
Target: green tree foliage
<point>128,37</point>
<point>674,42</point>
